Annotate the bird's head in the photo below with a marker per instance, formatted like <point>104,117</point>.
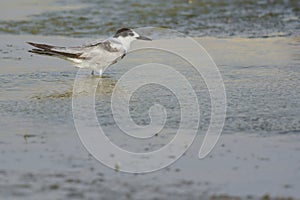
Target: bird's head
<point>126,36</point>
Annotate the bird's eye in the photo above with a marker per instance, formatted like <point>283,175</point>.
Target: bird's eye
<point>131,34</point>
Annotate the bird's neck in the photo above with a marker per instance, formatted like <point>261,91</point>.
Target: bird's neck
<point>125,42</point>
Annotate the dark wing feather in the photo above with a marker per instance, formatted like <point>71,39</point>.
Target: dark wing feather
<point>48,50</point>
<point>42,52</point>
<point>42,46</point>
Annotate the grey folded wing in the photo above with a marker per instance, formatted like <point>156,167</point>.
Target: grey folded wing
<point>102,53</point>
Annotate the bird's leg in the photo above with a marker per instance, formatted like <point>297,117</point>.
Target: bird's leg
<point>92,73</point>
<point>100,72</point>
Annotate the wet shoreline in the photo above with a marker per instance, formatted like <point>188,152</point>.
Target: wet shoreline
<point>257,154</point>
<point>256,48</point>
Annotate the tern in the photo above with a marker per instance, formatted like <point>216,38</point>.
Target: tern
<point>96,56</point>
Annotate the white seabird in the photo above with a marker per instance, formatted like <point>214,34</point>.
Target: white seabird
<point>96,56</point>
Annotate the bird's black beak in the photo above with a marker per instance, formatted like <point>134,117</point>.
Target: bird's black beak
<point>143,38</point>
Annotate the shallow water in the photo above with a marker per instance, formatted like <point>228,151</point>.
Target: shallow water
<point>41,151</point>
<point>261,78</point>
<point>262,18</point>
<point>41,155</point>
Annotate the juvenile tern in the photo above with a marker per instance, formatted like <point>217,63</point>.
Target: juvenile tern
<point>96,56</point>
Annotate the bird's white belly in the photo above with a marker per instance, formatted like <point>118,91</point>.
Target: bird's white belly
<point>97,63</point>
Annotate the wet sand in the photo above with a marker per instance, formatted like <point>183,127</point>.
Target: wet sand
<point>256,157</point>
